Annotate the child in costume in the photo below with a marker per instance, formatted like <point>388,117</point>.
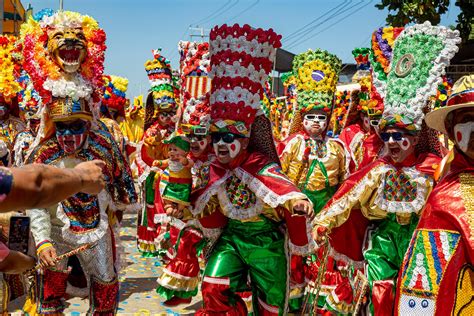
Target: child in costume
<point>437,271</point>
<point>247,195</point>
<point>314,163</point>
<point>391,192</point>
<point>160,110</point>
<point>69,134</point>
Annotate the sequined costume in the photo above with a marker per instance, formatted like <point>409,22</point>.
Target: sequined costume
<point>70,133</point>
<point>161,101</point>
<point>437,271</point>
<point>378,207</point>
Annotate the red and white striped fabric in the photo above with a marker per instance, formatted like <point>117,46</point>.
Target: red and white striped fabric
<point>197,86</point>
<point>241,59</point>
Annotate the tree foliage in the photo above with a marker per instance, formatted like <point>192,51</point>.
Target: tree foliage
<point>402,12</point>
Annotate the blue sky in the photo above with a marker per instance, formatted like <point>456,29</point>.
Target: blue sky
<point>135,27</point>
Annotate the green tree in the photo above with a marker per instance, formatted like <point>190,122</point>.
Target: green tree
<point>402,12</point>
<point>466,19</point>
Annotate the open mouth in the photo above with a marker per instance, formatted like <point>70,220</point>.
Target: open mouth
<point>394,151</point>
<point>69,143</point>
<point>70,56</point>
<point>222,152</point>
<point>194,147</point>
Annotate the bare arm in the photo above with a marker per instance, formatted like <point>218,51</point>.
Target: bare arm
<point>16,263</point>
<point>38,186</point>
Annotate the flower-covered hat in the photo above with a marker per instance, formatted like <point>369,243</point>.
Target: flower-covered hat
<point>462,96</point>
<point>161,80</point>
<point>317,76</point>
<point>420,56</point>
<point>114,97</point>
<point>241,60</point>
<point>46,73</point>
<point>9,69</point>
<point>195,86</point>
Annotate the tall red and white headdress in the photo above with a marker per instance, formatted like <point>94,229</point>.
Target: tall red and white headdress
<point>241,60</point>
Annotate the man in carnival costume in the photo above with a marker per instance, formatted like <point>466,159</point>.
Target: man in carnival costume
<point>160,112</point>
<point>112,109</point>
<point>314,163</point>
<point>247,195</point>
<point>437,272</point>
<point>29,102</point>
<point>361,138</point>
<point>64,54</point>
<point>180,278</point>
<point>391,192</point>
<point>10,125</point>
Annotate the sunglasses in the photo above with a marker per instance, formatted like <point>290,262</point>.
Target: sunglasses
<point>313,117</point>
<point>374,123</point>
<point>227,138</point>
<point>196,138</point>
<point>76,126</point>
<point>397,136</point>
<point>167,114</point>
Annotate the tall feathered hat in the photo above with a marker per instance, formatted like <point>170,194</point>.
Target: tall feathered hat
<point>114,97</point>
<point>317,76</point>
<point>241,60</point>
<point>195,86</point>
<point>420,56</point>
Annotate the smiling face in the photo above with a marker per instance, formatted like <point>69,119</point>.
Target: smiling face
<point>228,146</point>
<point>68,48</point>
<point>315,122</point>
<point>399,144</point>
<point>461,130</point>
<point>198,144</point>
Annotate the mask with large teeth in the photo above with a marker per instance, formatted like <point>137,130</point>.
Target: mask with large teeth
<point>67,48</point>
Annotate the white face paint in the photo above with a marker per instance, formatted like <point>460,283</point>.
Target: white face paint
<point>462,134</point>
<point>310,119</point>
<point>366,123</point>
<point>404,143</point>
<point>234,147</point>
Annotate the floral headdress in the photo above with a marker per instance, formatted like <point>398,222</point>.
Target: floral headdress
<point>317,76</point>
<point>361,56</point>
<point>161,80</point>
<point>29,100</point>
<point>195,86</point>
<point>114,96</point>
<point>9,69</point>
<point>46,74</point>
<point>241,60</point>
<point>420,56</point>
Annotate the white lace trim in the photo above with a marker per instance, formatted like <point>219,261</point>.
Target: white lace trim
<point>359,265</point>
<point>307,249</point>
<point>423,182</point>
<point>204,198</point>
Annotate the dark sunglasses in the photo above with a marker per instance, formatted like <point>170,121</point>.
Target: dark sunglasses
<point>75,126</point>
<point>167,114</point>
<point>228,138</point>
<point>397,136</point>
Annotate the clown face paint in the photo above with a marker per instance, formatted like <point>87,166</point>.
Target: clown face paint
<point>198,144</point>
<point>71,136</point>
<point>314,123</point>
<point>462,134</point>
<point>233,149</point>
<point>366,123</point>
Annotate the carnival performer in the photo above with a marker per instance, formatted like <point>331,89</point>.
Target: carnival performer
<point>361,138</point>
<point>29,102</point>
<point>314,163</point>
<point>10,124</point>
<point>247,195</point>
<point>391,192</point>
<point>112,108</point>
<point>437,271</point>
<point>66,69</point>
<point>160,112</point>
<point>180,279</point>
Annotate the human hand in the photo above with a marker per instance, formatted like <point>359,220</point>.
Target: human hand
<point>320,234</point>
<point>47,257</point>
<point>303,207</point>
<point>91,175</point>
<point>172,209</point>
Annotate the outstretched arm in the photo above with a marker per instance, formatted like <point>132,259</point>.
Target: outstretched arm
<point>38,186</point>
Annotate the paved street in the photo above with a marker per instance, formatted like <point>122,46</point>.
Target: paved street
<point>137,283</point>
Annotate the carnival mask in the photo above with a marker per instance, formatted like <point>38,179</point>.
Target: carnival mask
<point>68,48</point>
<point>71,135</point>
<point>462,134</point>
<point>315,124</point>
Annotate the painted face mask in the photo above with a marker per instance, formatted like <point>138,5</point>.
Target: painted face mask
<point>366,122</point>
<point>462,134</point>
<point>309,119</point>
<point>228,140</point>
<point>71,136</point>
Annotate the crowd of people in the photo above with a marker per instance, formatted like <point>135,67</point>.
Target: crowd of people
<point>331,199</point>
